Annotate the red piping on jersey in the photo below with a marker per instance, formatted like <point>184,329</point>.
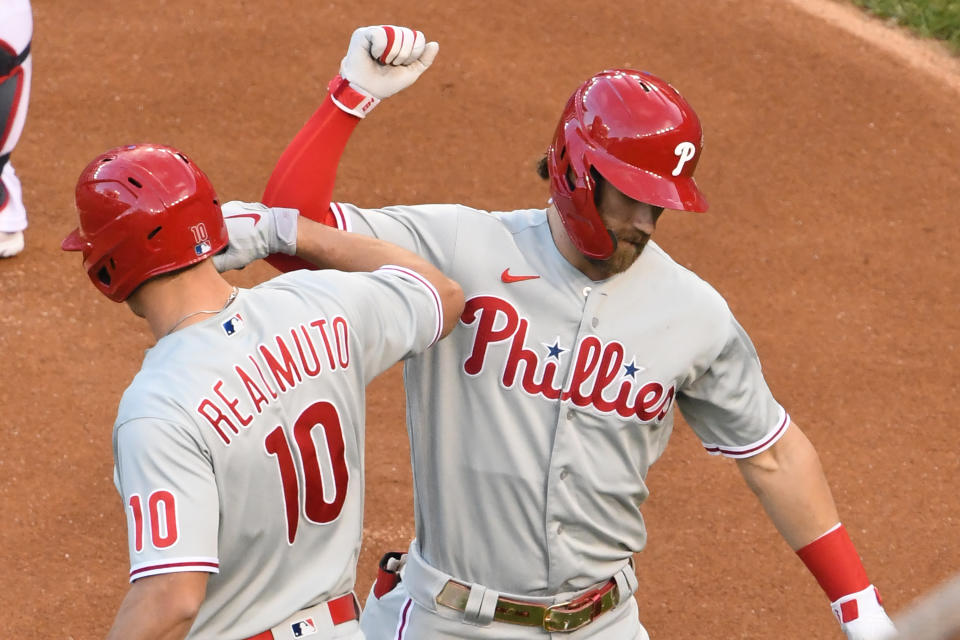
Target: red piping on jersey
<point>173,565</point>
<point>339,217</point>
<point>404,615</point>
<point>433,292</point>
<point>746,452</point>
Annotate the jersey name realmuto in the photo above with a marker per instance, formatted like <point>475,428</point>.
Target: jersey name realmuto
<point>550,375</point>
<point>239,445</point>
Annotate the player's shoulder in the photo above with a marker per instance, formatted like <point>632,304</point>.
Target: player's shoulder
<point>430,212</point>
<point>296,280</point>
<point>683,281</point>
<point>520,220</point>
<point>456,214</point>
<point>352,294</point>
<point>496,227</point>
<point>325,288</point>
<point>151,394</point>
<point>512,222</point>
<point>292,294</point>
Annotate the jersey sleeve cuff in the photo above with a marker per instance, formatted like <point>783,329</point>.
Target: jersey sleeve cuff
<point>752,449</point>
<point>340,217</point>
<point>175,565</point>
<point>434,294</point>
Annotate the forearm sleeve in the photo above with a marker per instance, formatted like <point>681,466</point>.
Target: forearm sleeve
<point>304,176</point>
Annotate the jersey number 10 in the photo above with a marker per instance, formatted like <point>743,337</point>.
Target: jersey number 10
<point>315,508</point>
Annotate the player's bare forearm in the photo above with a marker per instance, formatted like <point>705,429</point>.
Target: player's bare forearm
<point>330,248</point>
<point>790,483</point>
<point>161,607</point>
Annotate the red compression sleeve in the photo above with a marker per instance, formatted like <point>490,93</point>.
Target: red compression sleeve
<point>834,562</point>
<point>304,176</point>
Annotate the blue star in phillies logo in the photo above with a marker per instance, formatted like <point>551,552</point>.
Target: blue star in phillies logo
<point>630,370</point>
<point>555,349</point>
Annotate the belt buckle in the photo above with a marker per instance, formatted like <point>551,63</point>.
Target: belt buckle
<point>572,615</point>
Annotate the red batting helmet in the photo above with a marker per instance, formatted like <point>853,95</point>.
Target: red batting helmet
<point>640,134</point>
<point>144,209</point>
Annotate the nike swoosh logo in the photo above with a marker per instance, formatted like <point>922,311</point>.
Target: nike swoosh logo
<point>507,277</point>
<point>254,216</point>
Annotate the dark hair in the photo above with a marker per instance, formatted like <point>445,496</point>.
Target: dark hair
<point>542,170</point>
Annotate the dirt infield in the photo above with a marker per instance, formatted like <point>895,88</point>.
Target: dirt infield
<point>831,164</point>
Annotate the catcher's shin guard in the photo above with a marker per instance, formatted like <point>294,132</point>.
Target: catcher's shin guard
<point>11,88</point>
<point>4,194</point>
<point>10,59</point>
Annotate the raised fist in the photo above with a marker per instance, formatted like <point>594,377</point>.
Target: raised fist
<point>381,61</point>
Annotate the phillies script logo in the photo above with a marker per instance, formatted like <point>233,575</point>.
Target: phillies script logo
<point>600,377</point>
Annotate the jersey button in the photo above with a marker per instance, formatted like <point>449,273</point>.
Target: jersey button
<point>563,474</point>
<point>571,415</point>
<point>559,529</point>
<point>595,322</point>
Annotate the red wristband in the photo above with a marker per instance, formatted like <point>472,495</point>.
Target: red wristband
<point>348,98</point>
<point>833,561</point>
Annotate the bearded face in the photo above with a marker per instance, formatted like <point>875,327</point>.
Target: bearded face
<point>630,221</point>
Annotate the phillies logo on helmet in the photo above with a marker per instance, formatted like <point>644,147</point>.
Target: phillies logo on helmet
<point>601,378</point>
<point>686,151</point>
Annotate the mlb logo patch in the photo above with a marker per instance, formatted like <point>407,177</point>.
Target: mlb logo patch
<point>233,325</point>
<point>202,248</point>
<point>303,628</point>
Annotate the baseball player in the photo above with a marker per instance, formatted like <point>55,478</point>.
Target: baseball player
<point>16,68</point>
<point>239,445</point>
<point>533,425</point>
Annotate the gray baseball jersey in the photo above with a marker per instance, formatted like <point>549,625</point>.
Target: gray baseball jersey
<point>239,444</point>
<point>533,424</point>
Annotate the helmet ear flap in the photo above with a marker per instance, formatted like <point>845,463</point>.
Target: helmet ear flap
<point>572,190</point>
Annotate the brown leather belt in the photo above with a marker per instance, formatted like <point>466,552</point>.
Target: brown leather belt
<point>561,617</point>
<point>342,609</point>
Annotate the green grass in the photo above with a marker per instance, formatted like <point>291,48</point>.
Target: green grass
<point>938,19</point>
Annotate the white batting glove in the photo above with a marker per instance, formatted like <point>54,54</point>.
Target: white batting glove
<point>380,61</point>
<point>862,617</point>
<point>256,231</point>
